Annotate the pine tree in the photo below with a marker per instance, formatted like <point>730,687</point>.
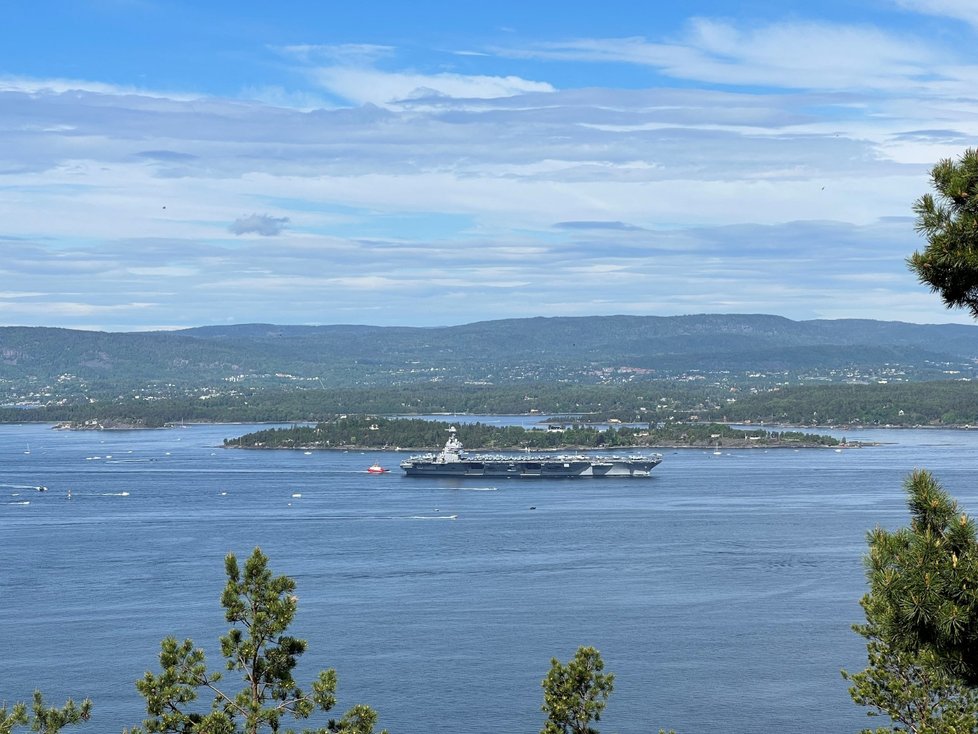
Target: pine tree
<point>913,689</point>
<point>922,618</point>
<point>42,718</point>
<point>575,694</point>
<point>949,263</point>
<point>260,607</point>
<point>924,580</point>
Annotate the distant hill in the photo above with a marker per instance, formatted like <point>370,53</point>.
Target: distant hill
<point>578,350</point>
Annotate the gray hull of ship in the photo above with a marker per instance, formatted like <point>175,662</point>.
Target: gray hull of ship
<point>521,469</point>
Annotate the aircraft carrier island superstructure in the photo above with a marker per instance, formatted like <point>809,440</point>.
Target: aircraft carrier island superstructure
<point>454,461</point>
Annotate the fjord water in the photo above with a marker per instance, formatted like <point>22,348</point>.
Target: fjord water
<point>720,591</point>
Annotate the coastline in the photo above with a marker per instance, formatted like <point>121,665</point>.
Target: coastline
<point>519,450</point>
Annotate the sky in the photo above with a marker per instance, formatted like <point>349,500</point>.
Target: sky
<point>176,163</point>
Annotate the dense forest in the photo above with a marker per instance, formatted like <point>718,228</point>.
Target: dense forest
<point>659,402</point>
<point>897,404</point>
<point>405,433</point>
<point>637,403</point>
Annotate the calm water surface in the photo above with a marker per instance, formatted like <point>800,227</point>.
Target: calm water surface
<point>720,592</point>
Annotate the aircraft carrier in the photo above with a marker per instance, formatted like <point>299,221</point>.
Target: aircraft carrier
<point>454,461</point>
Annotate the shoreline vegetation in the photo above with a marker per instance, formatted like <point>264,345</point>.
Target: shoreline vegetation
<point>414,434</point>
<point>836,407</point>
<point>124,425</point>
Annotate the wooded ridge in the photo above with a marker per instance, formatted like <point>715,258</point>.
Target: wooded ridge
<point>689,369</point>
<point>585,350</point>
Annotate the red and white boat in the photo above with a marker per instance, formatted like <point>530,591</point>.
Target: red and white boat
<point>376,469</point>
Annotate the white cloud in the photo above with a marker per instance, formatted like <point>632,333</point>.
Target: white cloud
<point>164,272</point>
<point>367,282</point>
<point>362,85</point>
<point>29,85</point>
<point>528,161</point>
<point>791,55</point>
<point>344,53</point>
<point>351,72</point>
<point>965,10</point>
<point>48,309</point>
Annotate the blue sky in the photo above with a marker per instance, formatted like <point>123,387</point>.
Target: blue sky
<point>168,163</point>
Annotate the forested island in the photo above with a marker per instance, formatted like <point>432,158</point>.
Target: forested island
<point>376,433</point>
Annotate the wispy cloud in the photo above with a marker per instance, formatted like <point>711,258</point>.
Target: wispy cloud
<point>965,10</point>
<point>360,85</point>
<point>35,86</point>
<point>350,72</point>
<point>58,309</point>
<point>790,55</point>
<point>615,226</point>
<point>347,54</point>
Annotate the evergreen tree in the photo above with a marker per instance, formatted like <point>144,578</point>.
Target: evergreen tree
<point>575,694</point>
<point>261,608</point>
<point>924,580</point>
<point>922,607</point>
<point>922,618</point>
<point>949,263</point>
<point>913,689</point>
<point>42,718</point>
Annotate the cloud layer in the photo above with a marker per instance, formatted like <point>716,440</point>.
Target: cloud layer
<point>765,167</point>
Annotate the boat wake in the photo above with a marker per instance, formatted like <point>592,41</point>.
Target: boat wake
<point>35,487</point>
<point>433,517</point>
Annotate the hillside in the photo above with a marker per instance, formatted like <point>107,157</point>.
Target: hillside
<point>587,350</point>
